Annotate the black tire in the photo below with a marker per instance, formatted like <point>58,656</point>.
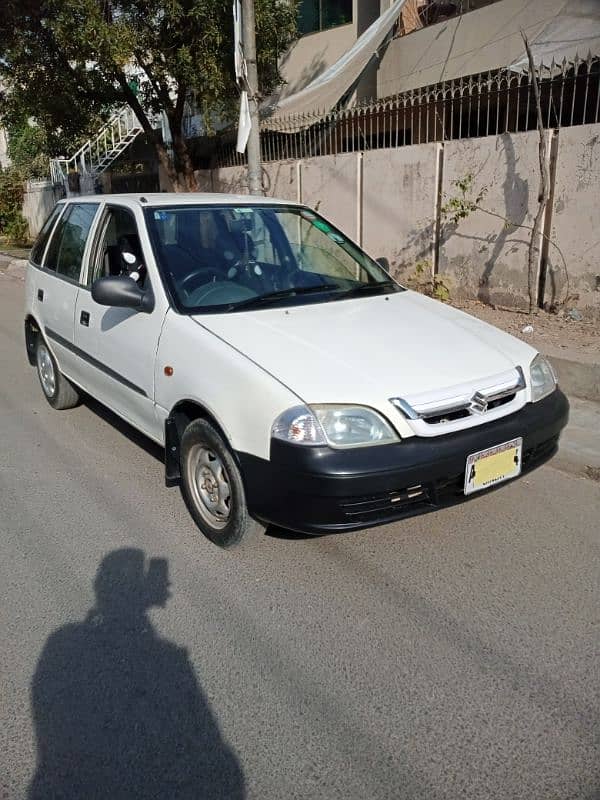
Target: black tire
<point>212,488</point>
<point>57,389</point>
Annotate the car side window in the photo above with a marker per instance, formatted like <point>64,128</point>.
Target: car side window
<point>38,249</point>
<point>118,249</point>
<point>65,254</point>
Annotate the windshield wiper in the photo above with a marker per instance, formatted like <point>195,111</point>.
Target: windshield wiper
<point>272,297</point>
<point>365,288</point>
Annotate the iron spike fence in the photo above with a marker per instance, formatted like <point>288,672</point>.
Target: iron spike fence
<point>491,103</point>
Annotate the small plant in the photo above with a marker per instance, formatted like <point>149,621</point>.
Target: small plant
<point>462,205</point>
<point>422,280</point>
<point>13,227</point>
<point>17,230</point>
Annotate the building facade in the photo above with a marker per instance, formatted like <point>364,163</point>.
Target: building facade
<point>434,40</point>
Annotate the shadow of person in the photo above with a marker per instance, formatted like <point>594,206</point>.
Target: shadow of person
<point>117,709</point>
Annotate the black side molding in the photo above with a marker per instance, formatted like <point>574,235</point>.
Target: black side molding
<point>93,361</point>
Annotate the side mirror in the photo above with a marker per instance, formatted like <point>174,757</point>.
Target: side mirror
<point>383,262</point>
<point>122,292</point>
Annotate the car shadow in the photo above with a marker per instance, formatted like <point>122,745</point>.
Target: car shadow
<point>127,430</point>
<point>275,532</point>
<point>117,709</point>
<point>158,452</point>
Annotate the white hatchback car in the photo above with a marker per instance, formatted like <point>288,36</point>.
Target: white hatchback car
<point>290,380</point>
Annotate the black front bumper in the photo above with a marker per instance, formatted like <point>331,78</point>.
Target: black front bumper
<point>321,490</point>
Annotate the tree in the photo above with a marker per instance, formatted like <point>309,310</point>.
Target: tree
<point>68,61</point>
<point>28,149</point>
<point>28,152</point>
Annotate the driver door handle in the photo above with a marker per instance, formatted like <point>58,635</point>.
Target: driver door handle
<point>84,319</point>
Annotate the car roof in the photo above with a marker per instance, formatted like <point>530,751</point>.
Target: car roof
<point>145,200</point>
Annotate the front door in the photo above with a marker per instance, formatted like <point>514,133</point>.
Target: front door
<point>120,344</point>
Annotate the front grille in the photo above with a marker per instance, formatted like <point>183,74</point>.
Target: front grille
<point>466,411</point>
<point>462,401</point>
<point>381,505</point>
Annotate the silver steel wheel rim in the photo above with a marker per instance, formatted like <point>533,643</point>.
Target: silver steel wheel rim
<point>209,485</point>
<point>46,370</point>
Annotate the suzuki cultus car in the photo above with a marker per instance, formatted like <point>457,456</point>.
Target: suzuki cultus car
<point>289,378</point>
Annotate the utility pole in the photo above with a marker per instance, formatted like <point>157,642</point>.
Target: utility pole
<point>253,149</point>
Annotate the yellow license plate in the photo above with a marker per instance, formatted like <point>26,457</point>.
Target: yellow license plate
<point>494,465</point>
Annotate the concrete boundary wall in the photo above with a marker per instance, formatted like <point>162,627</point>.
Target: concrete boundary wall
<point>38,201</point>
<point>482,255</point>
<point>399,194</point>
<point>575,225</point>
<point>392,202</point>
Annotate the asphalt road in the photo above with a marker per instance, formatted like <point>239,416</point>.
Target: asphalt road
<point>450,656</point>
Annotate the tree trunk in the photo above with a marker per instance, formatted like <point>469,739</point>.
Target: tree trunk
<point>183,163</point>
<point>536,232</point>
<point>168,164</point>
<point>179,169</point>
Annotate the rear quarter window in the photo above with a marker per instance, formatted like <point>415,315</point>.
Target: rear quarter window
<point>37,251</point>
<point>65,252</point>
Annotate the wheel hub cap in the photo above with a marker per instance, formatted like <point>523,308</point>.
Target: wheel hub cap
<point>209,484</point>
<point>46,370</point>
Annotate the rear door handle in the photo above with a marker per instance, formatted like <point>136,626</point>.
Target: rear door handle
<point>84,319</point>
<point>41,295</point>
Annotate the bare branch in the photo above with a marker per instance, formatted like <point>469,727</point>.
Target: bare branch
<point>534,248</point>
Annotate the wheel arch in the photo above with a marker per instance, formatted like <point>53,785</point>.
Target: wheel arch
<point>180,416</point>
<point>32,330</point>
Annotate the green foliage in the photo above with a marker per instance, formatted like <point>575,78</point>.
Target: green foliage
<point>13,227</point>
<point>422,280</point>
<point>439,290</point>
<point>28,150</point>
<point>462,204</point>
<point>65,62</point>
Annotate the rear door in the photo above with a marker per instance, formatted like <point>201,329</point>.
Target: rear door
<point>58,281</point>
<point>120,344</point>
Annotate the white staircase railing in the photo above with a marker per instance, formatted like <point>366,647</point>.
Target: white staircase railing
<point>98,153</point>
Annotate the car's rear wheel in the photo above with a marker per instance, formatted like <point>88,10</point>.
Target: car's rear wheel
<point>212,487</point>
<point>58,390</point>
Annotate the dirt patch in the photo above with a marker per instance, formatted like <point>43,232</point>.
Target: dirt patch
<point>552,333</point>
<point>14,252</point>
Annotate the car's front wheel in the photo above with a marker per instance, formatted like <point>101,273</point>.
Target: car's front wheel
<point>212,487</point>
<point>58,390</point>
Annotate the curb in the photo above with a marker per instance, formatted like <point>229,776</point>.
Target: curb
<point>579,449</point>
<point>578,378</point>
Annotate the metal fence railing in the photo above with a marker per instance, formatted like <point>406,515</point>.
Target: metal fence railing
<point>99,152</point>
<point>480,105</point>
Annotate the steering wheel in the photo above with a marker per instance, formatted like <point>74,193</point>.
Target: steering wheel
<point>299,278</point>
<point>197,277</point>
<point>220,293</point>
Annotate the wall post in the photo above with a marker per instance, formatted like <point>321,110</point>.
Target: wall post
<point>437,210</point>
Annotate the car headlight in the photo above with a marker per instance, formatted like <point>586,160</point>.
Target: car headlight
<point>335,425</point>
<point>543,378</point>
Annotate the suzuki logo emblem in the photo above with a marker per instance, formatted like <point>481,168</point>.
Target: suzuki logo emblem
<point>478,404</point>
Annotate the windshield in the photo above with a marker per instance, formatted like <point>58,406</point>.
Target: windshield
<point>226,258</point>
